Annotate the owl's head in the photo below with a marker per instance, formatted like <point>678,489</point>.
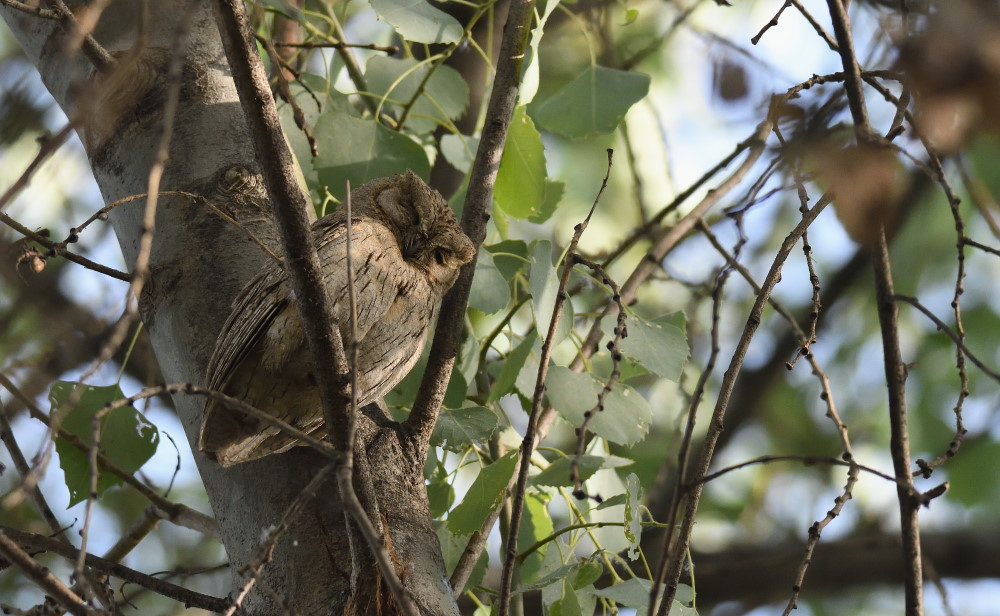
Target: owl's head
<point>430,237</point>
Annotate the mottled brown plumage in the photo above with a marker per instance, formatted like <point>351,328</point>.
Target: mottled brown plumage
<point>406,250</point>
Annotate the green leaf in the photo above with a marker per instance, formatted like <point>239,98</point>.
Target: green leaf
<point>457,429</point>
<point>361,150</point>
<point>440,492</point>
<point>659,345</point>
<point>536,524</point>
<point>510,257</point>
<point>614,501</point>
<point>592,104</point>
<point>544,285</point>
<point>529,83</point>
<point>520,184</point>
<point>634,593</point>
<point>511,369</point>
<point>633,514</point>
<point>459,150</point>
<point>553,195</point>
<point>483,495</point>
<point>626,416</point>
<point>568,605</point>
<point>555,575</point>
<point>528,376</point>
<point>557,474</point>
<point>972,473</point>
<point>395,81</point>
<point>588,573</point>
<point>403,394</point>
<point>452,547</point>
<point>418,21</point>
<point>126,438</point>
<point>489,293</point>
<point>630,16</point>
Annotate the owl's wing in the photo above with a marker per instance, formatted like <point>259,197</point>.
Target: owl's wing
<point>253,312</point>
<point>380,273</point>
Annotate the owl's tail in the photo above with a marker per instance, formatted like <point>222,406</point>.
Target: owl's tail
<point>227,441</point>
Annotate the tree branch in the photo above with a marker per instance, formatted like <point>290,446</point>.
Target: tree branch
<point>673,555</point>
<point>172,591</point>
<point>41,576</point>
<point>895,370</point>
<point>475,214</point>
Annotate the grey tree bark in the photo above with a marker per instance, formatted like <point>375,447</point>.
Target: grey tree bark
<point>198,263</point>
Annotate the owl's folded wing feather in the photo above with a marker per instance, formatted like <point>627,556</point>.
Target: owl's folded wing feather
<point>253,311</point>
<point>264,327</point>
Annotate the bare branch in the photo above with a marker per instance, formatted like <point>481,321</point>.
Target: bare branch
<point>110,567</point>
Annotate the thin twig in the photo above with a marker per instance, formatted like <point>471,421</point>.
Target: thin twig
<point>774,22</point>
<point>111,567</point>
<point>941,326</point>
<point>899,445</point>
<point>42,577</point>
<point>140,270</point>
<point>673,567</point>
<point>389,49</point>
<point>48,144</point>
<point>103,61</point>
<point>21,464</point>
<point>895,370</point>
<point>530,432</point>
<point>61,252</point>
<point>683,453</point>
<point>31,9</point>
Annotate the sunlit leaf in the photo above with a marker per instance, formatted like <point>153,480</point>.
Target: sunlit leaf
<point>459,150</point>
<point>634,593</point>
<point>659,345</point>
<point>626,416</point>
<point>557,474</point>
<point>510,257</point>
<point>455,429</point>
<point>361,150</point>
<point>530,80</point>
<point>536,525</point>
<point>418,21</point>
<point>520,184</point>
<point>512,366</point>
<point>592,104</point>
<point>483,495</point>
<point>588,573</point>
<point>490,292</point>
<point>544,285</point>
<point>553,195</point>
<point>395,81</point>
<point>633,514</point>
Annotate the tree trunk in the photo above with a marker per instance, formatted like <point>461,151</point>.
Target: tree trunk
<point>198,263</point>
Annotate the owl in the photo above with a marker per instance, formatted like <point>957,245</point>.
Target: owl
<point>406,251</point>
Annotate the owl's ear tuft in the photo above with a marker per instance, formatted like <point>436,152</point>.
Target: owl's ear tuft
<point>412,182</point>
